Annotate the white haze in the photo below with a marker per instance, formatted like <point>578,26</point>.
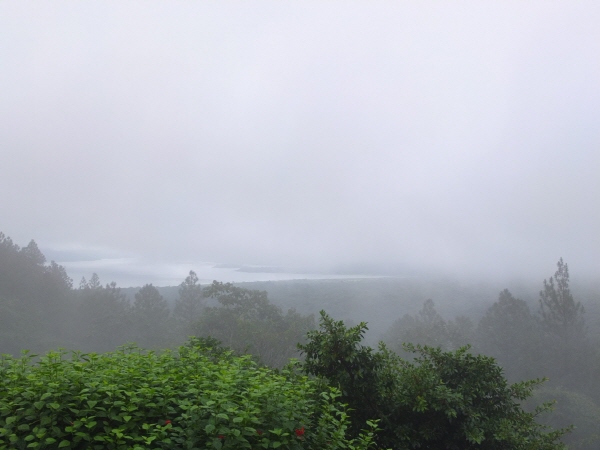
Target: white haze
<point>342,136</point>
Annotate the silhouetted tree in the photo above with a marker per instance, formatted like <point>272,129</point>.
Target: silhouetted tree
<point>247,321</point>
<point>34,298</point>
<point>189,305</point>
<point>428,327</point>
<point>103,316</point>
<point>568,352</point>
<point>510,333</point>
<point>33,254</point>
<point>151,318</point>
<point>561,315</point>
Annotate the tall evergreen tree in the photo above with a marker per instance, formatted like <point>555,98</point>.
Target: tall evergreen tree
<point>150,315</point>
<point>190,303</point>
<point>103,316</point>
<point>33,253</point>
<point>561,317</point>
<point>34,299</point>
<point>511,334</point>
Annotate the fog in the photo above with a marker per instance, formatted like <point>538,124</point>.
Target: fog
<point>337,137</point>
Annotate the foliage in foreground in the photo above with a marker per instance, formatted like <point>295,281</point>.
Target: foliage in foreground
<point>196,398</point>
<point>440,400</point>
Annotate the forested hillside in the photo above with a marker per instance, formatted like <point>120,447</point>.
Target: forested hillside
<point>554,337</point>
<point>41,310</point>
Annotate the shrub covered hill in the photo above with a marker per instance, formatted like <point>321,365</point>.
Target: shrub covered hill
<point>198,394</point>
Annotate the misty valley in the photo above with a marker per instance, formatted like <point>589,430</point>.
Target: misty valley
<point>300,225</point>
<point>390,362</point>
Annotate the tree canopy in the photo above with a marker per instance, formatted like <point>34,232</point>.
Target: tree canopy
<point>440,400</point>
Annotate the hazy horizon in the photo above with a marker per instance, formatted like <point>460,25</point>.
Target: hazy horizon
<point>388,138</point>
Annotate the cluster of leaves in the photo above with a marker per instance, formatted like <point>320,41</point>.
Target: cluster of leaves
<point>190,399</point>
<point>438,400</point>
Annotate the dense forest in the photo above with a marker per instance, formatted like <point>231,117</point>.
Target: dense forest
<point>390,397</point>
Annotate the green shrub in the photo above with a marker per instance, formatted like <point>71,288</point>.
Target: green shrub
<point>194,398</point>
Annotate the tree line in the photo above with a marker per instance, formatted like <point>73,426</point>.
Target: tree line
<point>40,310</point>
<point>550,342</point>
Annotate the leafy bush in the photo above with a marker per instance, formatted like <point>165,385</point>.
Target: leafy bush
<point>190,399</point>
<point>440,400</point>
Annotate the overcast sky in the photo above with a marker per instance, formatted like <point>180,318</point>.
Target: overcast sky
<point>461,136</point>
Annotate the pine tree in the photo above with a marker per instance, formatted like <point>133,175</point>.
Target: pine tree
<point>567,348</point>
<point>150,315</point>
<point>189,304</point>
<point>561,315</point>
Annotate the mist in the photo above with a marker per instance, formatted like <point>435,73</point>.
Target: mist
<point>385,138</point>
